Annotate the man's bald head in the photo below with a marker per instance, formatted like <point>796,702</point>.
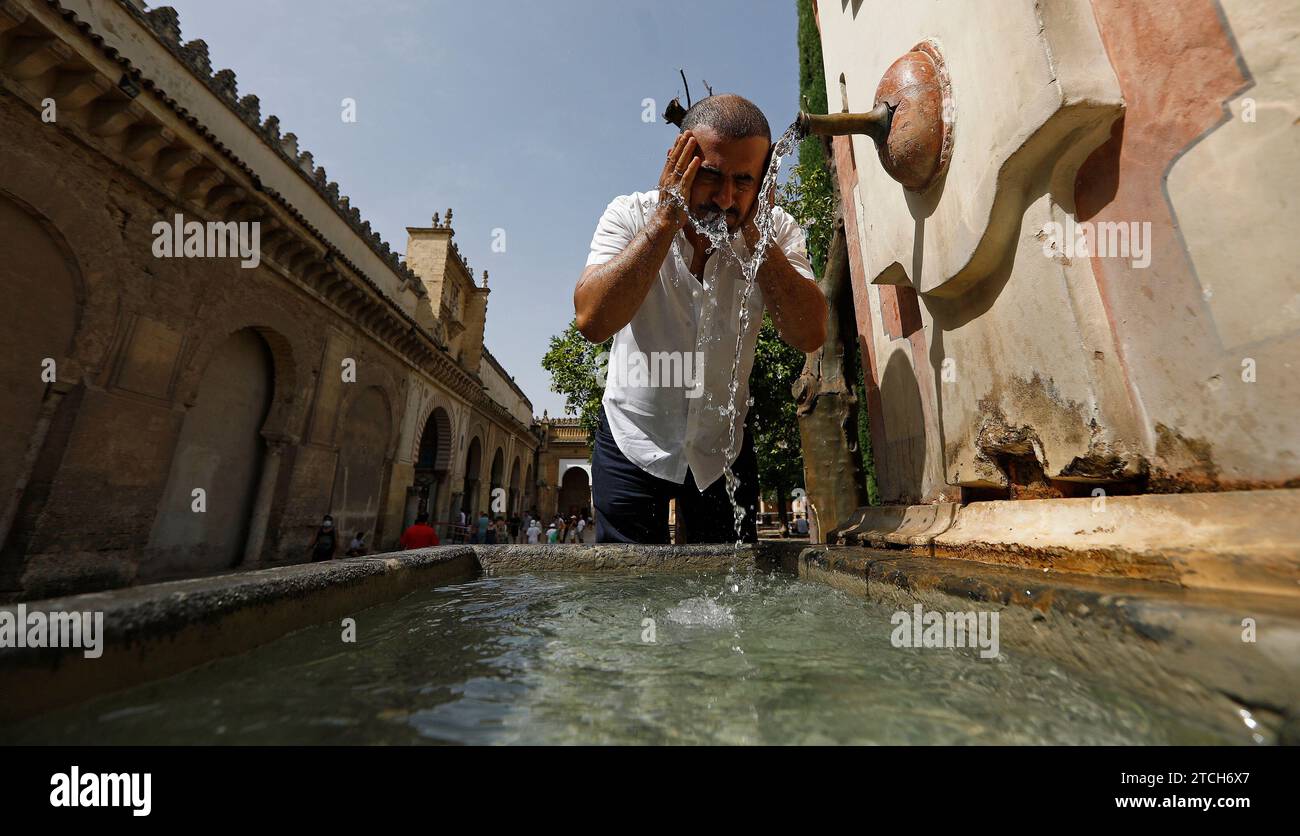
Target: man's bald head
<point>729,115</point>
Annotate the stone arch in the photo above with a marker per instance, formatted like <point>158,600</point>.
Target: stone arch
<point>365,441</point>
<point>496,479</point>
<point>432,466</point>
<point>35,232</point>
<point>473,476</point>
<point>219,451</point>
<point>574,490</point>
<point>373,375</point>
<point>515,496</point>
<point>435,400</point>
<point>565,465</point>
<point>40,269</point>
<point>287,343</point>
<point>477,430</point>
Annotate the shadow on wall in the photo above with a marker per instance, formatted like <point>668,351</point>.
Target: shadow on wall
<point>901,468</point>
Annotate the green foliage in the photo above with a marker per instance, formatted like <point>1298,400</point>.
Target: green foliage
<point>809,196</point>
<point>571,360</point>
<point>775,427</point>
<point>812,75</point>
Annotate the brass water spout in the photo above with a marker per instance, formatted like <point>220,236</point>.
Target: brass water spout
<point>912,120</point>
<point>874,124</point>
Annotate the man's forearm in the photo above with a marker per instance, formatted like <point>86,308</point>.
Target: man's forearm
<point>608,296</point>
<point>797,305</point>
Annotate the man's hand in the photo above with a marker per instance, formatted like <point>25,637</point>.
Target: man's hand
<point>678,177</point>
<point>608,295</point>
<point>797,305</point>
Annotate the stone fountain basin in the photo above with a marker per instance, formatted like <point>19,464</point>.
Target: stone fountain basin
<point>1182,647</point>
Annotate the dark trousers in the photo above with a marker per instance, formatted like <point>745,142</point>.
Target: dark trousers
<point>632,505</point>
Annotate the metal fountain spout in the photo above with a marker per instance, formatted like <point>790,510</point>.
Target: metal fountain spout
<point>874,124</point>
<point>911,122</point>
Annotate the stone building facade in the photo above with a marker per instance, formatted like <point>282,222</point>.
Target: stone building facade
<point>564,468</point>
<point>1123,406</point>
<point>173,416</point>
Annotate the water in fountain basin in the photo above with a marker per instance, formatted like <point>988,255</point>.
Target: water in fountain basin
<point>565,658</point>
<point>714,228</point>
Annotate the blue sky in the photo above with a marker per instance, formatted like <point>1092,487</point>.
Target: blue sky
<point>524,116</point>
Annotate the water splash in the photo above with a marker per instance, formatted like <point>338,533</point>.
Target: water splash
<point>714,228</point>
<point>701,611</point>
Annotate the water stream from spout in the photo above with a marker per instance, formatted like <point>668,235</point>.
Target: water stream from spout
<point>714,228</point>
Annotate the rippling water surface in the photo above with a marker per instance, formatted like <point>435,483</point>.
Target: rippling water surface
<point>564,658</point>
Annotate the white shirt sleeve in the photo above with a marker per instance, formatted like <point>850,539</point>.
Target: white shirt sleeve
<point>791,239</point>
<point>617,226</point>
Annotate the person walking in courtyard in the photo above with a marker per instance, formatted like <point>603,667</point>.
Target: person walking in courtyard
<point>357,547</point>
<point>324,545</point>
<point>552,534</point>
<point>534,531</point>
<point>657,287</point>
<point>481,536</point>
<point>419,535</point>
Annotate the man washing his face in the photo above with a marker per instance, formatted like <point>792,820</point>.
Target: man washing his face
<point>652,284</point>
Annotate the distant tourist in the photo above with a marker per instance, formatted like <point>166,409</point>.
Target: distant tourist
<point>420,535</point>
<point>582,526</point>
<point>552,534</point>
<point>483,524</point>
<point>502,531</point>
<point>514,529</point>
<point>801,526</point>
<point>325,543</point>
<point>534,531</point>
<point>357,547</point>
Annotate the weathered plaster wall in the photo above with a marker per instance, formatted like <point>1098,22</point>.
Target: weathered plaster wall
<point>998,361</point>
<point>1222,293</point>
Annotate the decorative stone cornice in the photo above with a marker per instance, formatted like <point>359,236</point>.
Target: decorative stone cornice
<point>164,23</point>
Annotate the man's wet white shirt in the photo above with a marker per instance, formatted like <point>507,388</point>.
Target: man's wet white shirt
<point>665,429</point>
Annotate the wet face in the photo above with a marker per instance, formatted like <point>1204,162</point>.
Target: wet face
<point>729,176</point>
